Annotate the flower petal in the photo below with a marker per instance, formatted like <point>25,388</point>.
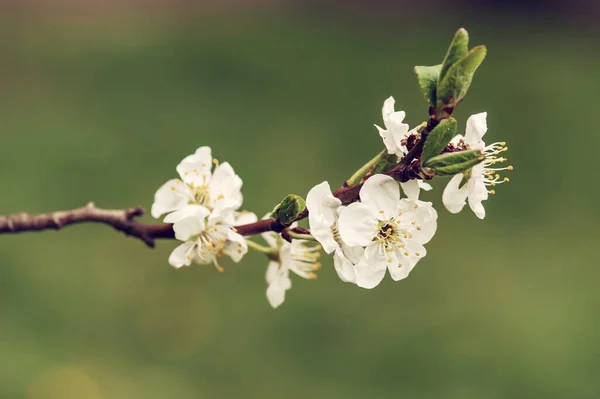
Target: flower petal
<point>343,267</point>
<point>188,221</point>
<point>322,215</point>
<point>389,140</point>
<point>371,269</point>
<point>476,128</point>
<point>454,198</point>
<point>408,258</point>
<point>411,189</point>
<point>279,281</point>
<point>357,225</point>
<point>195,168</point>
<point>225,190</point>
<point>380,193</point>
<point>171,196</point>
<point>182,255</point>
<point>478,193</point>
<point>236,246</point>
<point>245,217</point>
<point>387,110</point>
<point>424,217</point>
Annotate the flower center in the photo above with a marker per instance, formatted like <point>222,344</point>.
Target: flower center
<point>306,257</point>
<point>393,234</point>
<point>491,177</point>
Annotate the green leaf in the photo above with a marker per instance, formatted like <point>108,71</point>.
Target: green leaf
<point>428,77</point>
<point>385,164</point>
<point>289,209</point>
<point>457,50</point>
<point>454,162</point>
<point>439,138</point>
<point>455,84</point>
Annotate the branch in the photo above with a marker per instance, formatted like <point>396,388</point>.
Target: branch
<point>121,220</point>
<point>124,220</point>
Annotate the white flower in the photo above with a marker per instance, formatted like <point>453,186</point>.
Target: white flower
<point>395,131</point>
<point>323,212</point>
<point>393,230</point>
<point>206,239</point>
<point>457,192</point>
<point>299,257</point>
<point>218,190</point>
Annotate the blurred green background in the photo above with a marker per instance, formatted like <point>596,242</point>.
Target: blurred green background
<point>103,108</point>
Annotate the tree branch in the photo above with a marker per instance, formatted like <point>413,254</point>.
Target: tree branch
<point>121,220</point>
<point>124,220</point>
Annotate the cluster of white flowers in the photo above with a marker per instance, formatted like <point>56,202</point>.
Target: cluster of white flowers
<point>383,231</point>
<point>202,205</point>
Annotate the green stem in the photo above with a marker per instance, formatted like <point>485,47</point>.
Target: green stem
<point>357,176</point>
<point>260,248</point>
<point>298,236</point>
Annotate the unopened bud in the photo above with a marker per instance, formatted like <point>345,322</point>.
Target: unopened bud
<point>289,209</point>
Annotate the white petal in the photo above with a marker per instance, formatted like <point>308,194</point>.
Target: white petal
<point>424,186</point>
<point>182,255</point>
<point>398,267</point>
<point>322,214</point>
<point>478,194</point>
<point>188,221</point>
<point>171,196</point>
<point>388,109</point>
<point>343,267</point>
<point>371,269</point>
<point>353,254</point>
<point>476,128</point>
<point>225,190</point>
<point>388,140</point>
<point>408,258</point>
<point>454,198</point>
<point>396,118</point>
<point>236,246</point>
<point>381,194</point>
<point>195,168</point>
<point>278,281</point>
<point>245,218</point>
<point>411,189</point>
<point>423,215</point>
<point>357,225</point>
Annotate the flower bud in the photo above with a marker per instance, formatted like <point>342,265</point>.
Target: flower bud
<point>289,209</point>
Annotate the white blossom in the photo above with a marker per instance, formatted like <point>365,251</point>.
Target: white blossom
<point>395,130</point>
<point>205,239</point>
<point>323,213</point>
<point>218,190</point>
<point>299,257</point>
<point>475,188</point>
<point>393,230</point>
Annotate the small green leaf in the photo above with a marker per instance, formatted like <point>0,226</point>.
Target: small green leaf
<point>454,162</point>
<point>289,209</point>
<point>457,50</point>
<point>439,138</point>
<point>385,164</point>
<point>455,84</point>
<point>428,77</point>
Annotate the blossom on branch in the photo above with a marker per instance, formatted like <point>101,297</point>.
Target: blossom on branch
<point>393,230</point>
<point>218,190</point>
<point>395,130</point>
<point>323,215</point>
<point>299,257</point>
<point>472,186</point>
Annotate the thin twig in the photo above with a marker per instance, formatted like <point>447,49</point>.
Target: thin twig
<point>121,220</point>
